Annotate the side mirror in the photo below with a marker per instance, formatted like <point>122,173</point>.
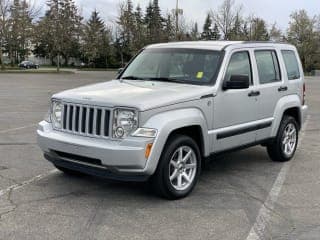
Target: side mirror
<point>237,82</point>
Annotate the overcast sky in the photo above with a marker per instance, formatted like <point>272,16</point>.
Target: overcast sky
<point>196,10</point>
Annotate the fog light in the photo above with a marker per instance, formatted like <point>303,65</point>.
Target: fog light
<point>119,132</point>
<point>148,150</point>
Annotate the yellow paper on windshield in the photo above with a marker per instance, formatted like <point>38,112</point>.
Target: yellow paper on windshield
<point>200,75</point>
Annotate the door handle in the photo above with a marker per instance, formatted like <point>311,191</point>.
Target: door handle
<point>282,89</point>
<point>254,94</point>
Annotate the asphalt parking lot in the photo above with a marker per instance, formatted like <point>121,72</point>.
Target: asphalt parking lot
<point>242,195</point>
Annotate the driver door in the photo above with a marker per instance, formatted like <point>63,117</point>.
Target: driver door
<point>235,109</point>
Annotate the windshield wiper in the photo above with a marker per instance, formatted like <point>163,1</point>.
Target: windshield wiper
<point>132,78</point>
<point>165,79</point>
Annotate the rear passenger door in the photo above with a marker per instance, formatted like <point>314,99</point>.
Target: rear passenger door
<point>271,87</point>
<point>293,71</point>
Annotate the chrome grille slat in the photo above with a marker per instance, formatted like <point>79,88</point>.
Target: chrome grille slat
<point>91,121</point>
<point>74,118</point>
<point>103,116</point>
<point>87,120</point>
<point>68,117</point>
<point>80,119</point>
<point>94,129</point>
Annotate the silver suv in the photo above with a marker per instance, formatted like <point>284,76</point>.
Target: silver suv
<point>175,106</point>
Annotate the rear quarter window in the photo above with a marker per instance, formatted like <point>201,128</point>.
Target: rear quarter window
<point>291,63</point>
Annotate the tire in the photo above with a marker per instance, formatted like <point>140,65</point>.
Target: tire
<point>69,171</point>
<point>283,147</point>
<point>171,165</point>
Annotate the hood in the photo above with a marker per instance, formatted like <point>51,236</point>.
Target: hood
<point>142,95</point>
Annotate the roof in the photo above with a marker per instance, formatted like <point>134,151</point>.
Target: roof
<point>215,45</point>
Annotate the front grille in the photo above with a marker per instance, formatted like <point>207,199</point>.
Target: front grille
<point>86,120</point>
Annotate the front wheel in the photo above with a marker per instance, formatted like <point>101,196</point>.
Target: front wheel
<point>284,146</point>
<point>178,169</point>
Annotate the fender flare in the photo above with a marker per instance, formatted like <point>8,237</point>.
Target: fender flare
<point>287,102</point>
<point>166,123</point>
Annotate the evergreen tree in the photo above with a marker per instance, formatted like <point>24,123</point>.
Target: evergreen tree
<point>20,32</point>
<point>139,32</point>
<point>169,28</point>
<point>154,23</point>
<point>216,33</point>
<point>4,28</point>
<point>207,33</point>
<point>95,41</point>
<point>236,32</point>
<point>59,31</point>
<point>195,32</point>
<point>259,30</point>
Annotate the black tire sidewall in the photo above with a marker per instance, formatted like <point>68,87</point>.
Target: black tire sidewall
<point>172,145</point>
<point>284,123</point>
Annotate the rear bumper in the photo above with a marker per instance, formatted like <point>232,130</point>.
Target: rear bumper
<point>121,160</point>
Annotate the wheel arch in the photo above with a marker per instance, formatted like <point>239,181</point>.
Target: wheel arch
<point>295,113</point>
<point>195,133</point>
<point>190,122</point>
<point>288,105</point>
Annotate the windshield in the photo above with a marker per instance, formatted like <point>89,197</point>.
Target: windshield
<point>191,66</point>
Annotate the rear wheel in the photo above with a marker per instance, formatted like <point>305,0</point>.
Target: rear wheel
<point>178,169</point>
<point>284,146</point>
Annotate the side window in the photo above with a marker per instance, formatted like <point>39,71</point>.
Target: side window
<point>291,63</point>
<point>268,66</point>
<point>239,65</point>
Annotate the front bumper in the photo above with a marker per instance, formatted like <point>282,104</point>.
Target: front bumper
<point>102,157</point>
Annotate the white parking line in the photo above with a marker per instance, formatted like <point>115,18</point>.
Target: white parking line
<point>16,129</point>
<point>27,182</point>
<point>258,229</point>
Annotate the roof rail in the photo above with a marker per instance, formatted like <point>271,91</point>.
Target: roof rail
<point>270,41</point>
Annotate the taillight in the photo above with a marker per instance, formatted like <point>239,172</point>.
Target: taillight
<point>304,94</point>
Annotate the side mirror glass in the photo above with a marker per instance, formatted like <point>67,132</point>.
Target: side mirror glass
<point>237,82</point>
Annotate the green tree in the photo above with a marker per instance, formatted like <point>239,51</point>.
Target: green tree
<point>170,28</point>
<point>275,33</point>
<point>4,28</point>
<point>154,23</point>
<point>93,36</point>
<point>207,33</point>
<point>259,31</point>
<point>237,32</point>
<point>59,31</point>
<point>21,30</point>
<point>125,31</point>
<point>139,29</point>
<point>195,32</point>
<point>225,17</point>
<point>303,34</point>
<point>210,30</point>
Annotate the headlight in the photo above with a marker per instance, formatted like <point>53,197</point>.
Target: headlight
<point>125,121</point>
<point>57,114</point>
